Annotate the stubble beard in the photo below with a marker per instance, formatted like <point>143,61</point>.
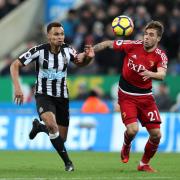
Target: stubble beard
<point>148,47</point>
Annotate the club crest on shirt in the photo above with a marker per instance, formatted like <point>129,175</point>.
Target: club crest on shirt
<point>151,63</point>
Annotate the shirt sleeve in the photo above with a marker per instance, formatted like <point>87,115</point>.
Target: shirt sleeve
<point>29,56</point>
<point>73,53</point>
<point>125,45</point>
<point>163,60</point>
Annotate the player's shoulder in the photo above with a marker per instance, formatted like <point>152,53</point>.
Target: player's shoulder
<point>133,42</point>
<point>160,53</point>
<point>39,47</point>
<point>69,47</point>
<point>42,46</point>
<point>128,42</point>
<point>47,45</point>
<point>66,45</point>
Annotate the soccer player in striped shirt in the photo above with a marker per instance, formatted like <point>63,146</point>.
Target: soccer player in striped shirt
<point>51,91</point>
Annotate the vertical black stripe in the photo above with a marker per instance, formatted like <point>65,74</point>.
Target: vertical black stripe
<point>64,59</point>
<point>55,61</point>
<point>46,58</point>
<point>37,73</point>
<point>54,91</point>
<point>72,58</point>
<point>65,67</point>
<point>62,87</point>
<point>67,90</point>
<point>44,85</point>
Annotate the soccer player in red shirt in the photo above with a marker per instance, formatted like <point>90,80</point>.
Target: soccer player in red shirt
<point>143,62</point>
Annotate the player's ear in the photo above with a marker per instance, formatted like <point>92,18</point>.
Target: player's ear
<point>158,38</point>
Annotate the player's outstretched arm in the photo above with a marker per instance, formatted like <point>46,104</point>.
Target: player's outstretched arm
<point>88,54</point>
<point>14,69</point>
<point>103,45</point>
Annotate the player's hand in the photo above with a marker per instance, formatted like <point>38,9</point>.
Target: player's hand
<point>79,58</point>
<point>89,51</point>
<point>145,75</point>
<point>86,56</point>
<point>19,97</point>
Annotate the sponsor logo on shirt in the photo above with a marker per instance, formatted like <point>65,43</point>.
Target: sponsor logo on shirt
<point>135,67</point>
<point>51,74</point>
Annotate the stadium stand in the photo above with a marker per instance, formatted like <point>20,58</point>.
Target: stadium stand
<point>91,23</point>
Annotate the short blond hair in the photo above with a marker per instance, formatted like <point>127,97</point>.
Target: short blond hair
<point>157,26</point>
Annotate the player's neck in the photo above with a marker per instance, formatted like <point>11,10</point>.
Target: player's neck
<point>55,49</point>
<point>150,49</point>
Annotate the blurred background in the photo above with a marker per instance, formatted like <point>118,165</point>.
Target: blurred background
<point>22,26</point>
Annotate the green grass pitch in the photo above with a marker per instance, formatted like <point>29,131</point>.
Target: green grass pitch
<point>37,165</point>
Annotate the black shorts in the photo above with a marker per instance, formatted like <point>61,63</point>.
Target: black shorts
<point>57,105</point>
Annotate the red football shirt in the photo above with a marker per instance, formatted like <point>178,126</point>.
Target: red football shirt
<point>137,60</point>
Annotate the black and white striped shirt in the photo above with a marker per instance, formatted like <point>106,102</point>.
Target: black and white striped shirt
<point>51,68</point>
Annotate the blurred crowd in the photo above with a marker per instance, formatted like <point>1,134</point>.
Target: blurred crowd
<point>8,5</point>
<point>91,23</point>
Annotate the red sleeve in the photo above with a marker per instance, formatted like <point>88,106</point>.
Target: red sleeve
<point>125,45</point>
<point>163,60</point>
<point>118,45</point>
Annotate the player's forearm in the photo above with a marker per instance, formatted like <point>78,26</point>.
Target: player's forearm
<point>158,75</point>
<point>14,70</point>
<point>103,45</point>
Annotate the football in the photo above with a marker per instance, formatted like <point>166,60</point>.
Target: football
<point>122,26</point>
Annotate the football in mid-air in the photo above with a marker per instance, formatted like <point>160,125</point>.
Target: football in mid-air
<point>122,26</point>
